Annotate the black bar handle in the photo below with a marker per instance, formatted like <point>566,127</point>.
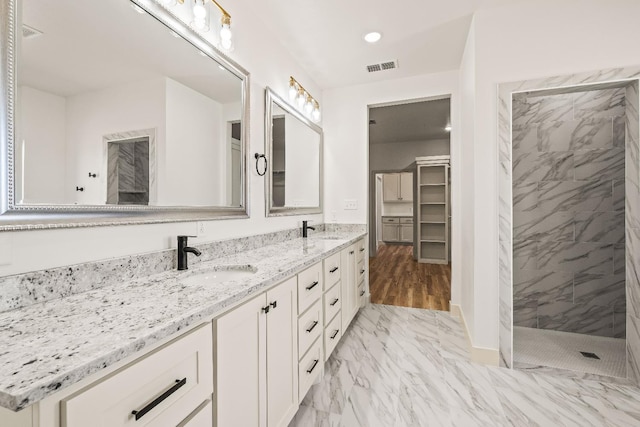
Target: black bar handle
<point>315,322</point>
<point>362,293</point>
<point>158,400</point>
<point>333,270</point>
<point>334,302</point>
<point>274,304</point>
<point>311,286</point>
<point>335,334</point>
<point>361,249</point>
<point>266,309</point>
<point>315,362</point>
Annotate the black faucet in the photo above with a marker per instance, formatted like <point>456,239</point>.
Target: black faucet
<point>305,228</point>
<point>183,249</point>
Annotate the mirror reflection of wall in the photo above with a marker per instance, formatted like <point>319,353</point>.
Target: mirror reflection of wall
<point>128,172</point>
<point>278,159</point>
<point>78,81</point>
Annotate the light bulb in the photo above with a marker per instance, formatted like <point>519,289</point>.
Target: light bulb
<point>226,44</point>
<point>199,11</point>
<point>300,99</point>
<point>292,91</point>
<point>316,114</point>
<point>308,107</point>
<point>225,32</point>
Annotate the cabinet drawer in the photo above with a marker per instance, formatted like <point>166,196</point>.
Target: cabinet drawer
<point>309,287</point>
<point>332,335</point>
<point>360,249</point>
<point>309,369</point>
<point>390,220</point>
<point>362,297</point>
<point>201,417</point>
<point>360,271</point>
<point>406,220</point>
<point>310,327</point>
<point>163,388</point>
<point>332,303</point>
<point>331,270</point>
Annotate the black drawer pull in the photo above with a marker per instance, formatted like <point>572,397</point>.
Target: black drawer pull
<point>315,362</point>
<point>274,304</point>
<point>334,302</point>
<point>362,293</point>
<point>158,400</point>
<point>315,322</point>
<point>335,334</point>
<point>333,270</point>
<point>266,309</point>
<point>351,253</point>
<point>311,286</point>
<point>361,249</point>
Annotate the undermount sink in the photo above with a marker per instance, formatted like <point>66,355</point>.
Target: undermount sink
<point>219,274</point>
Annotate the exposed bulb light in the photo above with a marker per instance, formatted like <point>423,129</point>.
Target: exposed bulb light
<point>300,99</point>
<point>308,106</point>
<point>225,31</point>
<point>293,90</point>
<point>448,128</point>
<point>315,115</point>
<point>200,16</point>
<point>372,37</point>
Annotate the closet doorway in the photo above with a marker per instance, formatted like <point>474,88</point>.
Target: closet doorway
<point>402,137</point>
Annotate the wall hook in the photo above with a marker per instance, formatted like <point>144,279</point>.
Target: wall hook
<point>257,157</point>
<point>79,188</point>
<point>92,175</point>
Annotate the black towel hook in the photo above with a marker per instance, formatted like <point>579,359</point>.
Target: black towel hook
<point>257,157</point>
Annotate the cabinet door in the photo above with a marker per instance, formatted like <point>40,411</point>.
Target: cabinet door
<point>240,365</point>
<point>282,354</point>
<point>390,184</point>
<point>349,286</point>
<point>406,187</point>
<point>406,233</point>
<point>390,232</point>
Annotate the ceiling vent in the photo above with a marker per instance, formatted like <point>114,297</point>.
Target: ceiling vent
<point>29,32</point>
<point>388,65</point>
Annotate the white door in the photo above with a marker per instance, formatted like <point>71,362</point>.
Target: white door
<point>390,183</point>
<point>282,354</point>
<point>406,187</point>
<point>240,366</point>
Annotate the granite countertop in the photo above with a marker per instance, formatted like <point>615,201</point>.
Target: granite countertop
<point>48,346</point>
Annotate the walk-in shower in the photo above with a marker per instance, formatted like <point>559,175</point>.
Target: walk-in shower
<point>573,176</point>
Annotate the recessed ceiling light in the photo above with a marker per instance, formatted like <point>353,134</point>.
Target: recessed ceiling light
<point>372,37</point>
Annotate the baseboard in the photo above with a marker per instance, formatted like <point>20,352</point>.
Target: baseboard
<point>485,356</point>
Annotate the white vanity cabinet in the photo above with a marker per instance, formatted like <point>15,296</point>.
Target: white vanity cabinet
<point>256,360</point>
<point>350,301</point>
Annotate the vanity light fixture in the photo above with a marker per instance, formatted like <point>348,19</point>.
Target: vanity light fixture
<point>201,20</point>
<point>306,103</point>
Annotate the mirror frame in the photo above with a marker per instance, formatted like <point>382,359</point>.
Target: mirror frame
<point>30,217</point>
<point>270,98</point>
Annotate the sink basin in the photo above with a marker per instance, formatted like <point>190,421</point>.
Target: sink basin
<point>219,274</point>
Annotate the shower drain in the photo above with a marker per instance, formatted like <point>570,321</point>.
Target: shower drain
<point>589,355</point>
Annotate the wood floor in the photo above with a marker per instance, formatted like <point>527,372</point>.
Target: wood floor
<point>395,278</point>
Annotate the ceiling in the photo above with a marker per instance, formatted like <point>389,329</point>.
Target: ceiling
<point>326,37</point>
<point>77,53</point>
<point>416,121</point>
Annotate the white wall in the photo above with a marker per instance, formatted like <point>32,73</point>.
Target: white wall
<point>196,152</point>
<point>42,128</point>
<point>346,145</point>
<point>270,65</point>
<point>399,155</point>
<point>91,116</point>
<point>528,41</point>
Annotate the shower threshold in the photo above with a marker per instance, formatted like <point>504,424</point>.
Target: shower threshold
<point>545,350</point>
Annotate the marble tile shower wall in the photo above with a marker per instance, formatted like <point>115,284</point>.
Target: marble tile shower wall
<point>568,212</point>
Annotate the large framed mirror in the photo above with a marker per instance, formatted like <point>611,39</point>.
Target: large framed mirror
<point>116,112</point>
<point>294,151</point>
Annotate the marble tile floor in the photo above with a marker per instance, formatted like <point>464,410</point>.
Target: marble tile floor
<point>399,366</point>
<point>555,349</point>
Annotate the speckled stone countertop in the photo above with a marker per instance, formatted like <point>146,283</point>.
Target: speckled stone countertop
<point>48,346</point>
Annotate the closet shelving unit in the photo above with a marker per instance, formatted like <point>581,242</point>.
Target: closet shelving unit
<point>433,209</point>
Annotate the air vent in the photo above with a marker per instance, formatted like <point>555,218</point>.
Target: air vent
<point>387,65</point>
<point>30,32</point>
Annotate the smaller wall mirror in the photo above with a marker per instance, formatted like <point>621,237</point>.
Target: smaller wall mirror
<point>294,151</point>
